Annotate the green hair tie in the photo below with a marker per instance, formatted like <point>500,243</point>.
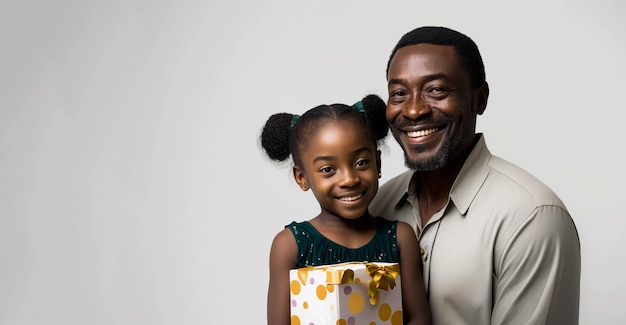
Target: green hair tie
<point>294,119</point>
<point>359,107</point>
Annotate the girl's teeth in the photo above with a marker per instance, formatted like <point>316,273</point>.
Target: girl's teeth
<point>350,198</point>
<point>421,133</point>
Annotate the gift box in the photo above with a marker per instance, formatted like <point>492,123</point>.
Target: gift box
<point>350,293</point>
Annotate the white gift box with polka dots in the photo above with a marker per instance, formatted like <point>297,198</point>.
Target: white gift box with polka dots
<point>339,294</point>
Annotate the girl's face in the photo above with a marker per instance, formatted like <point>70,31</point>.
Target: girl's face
<point>341,165</point>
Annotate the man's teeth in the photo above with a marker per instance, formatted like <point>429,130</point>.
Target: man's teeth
<point>351,198</point>
<point>421,133</point>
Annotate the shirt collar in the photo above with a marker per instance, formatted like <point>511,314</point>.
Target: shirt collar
<point>472,176</point>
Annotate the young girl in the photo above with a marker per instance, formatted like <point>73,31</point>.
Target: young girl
<point>335,154</point>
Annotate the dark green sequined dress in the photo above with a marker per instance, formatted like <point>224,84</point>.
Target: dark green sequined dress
<point>315,249</point>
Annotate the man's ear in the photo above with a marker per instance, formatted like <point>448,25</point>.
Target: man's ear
<point>300,178</point>
<point>483,95</point>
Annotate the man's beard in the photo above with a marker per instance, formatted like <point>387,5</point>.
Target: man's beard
<point>441,158</point>
<point>436,162</point>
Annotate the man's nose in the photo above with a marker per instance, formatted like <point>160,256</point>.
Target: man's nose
<point>416,108</point>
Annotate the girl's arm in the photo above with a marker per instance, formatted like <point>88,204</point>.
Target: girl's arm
<point>283,257</point>
<point>414,301</point>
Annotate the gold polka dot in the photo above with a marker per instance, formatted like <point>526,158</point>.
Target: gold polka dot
<point>321,292</point>
<point>384,312</point>
<point>396,318</point>
<point>356,302</point>
<point>295,287</point>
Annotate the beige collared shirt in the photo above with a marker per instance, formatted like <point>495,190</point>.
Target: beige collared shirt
<point>504,250</point>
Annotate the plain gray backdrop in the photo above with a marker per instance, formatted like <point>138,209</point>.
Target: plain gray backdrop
<point>132,187</point>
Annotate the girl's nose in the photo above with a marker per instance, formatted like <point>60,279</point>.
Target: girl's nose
<point>350,178</point>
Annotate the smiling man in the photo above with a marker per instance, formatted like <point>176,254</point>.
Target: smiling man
<point>498,246</point>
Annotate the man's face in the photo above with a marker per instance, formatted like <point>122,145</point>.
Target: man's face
<point>431,107</point>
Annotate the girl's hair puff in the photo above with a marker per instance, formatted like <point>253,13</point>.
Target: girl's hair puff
<point>286,134</point>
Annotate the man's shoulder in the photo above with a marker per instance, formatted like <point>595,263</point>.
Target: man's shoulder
<point>497,177</point>
<point>518,177</point>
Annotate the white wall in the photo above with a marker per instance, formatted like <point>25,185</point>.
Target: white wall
<point>132,187</point>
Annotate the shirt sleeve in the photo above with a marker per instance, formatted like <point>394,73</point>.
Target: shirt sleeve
<point>537,279</point>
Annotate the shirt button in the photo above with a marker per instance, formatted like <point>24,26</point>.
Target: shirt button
<point>422,251</point>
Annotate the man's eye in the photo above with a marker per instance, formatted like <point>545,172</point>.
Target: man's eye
<point>437,91</point>
<point>397,93</point>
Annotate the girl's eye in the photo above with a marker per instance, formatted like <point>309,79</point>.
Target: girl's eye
<point>326,170</point>
<point>362,162</point>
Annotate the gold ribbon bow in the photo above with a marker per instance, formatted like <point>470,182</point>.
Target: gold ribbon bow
<point>340,277</point>
<point>383,277</point>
